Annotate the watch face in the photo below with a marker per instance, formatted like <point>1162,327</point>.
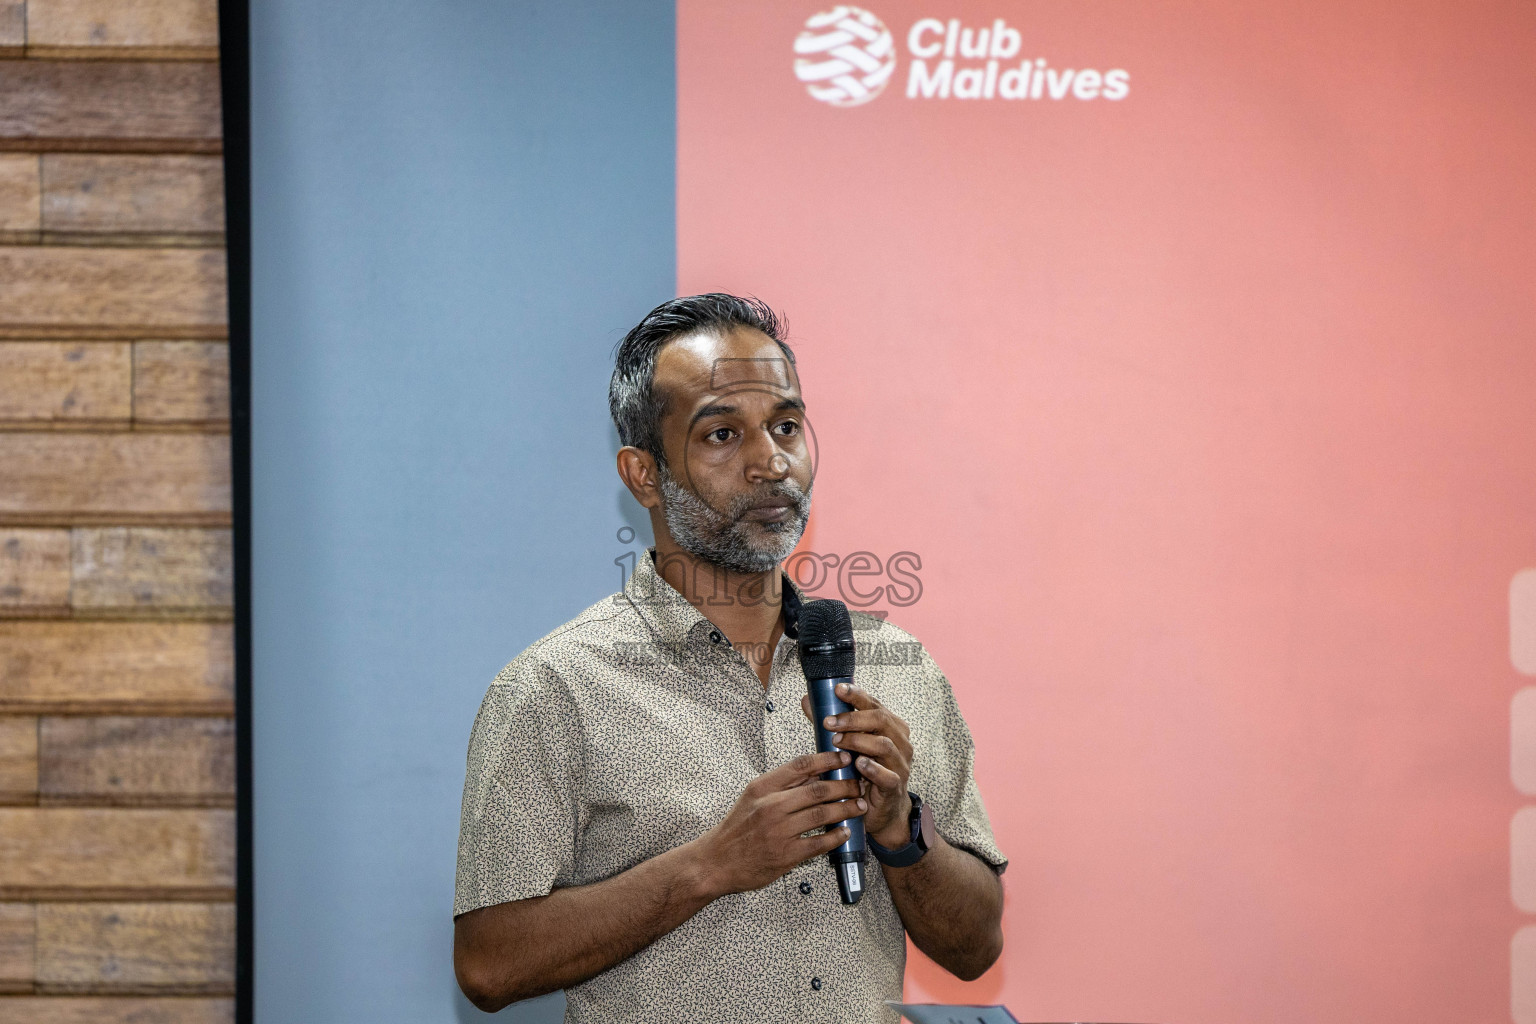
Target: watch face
<point>925,823</point>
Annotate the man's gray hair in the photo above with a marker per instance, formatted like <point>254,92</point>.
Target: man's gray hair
<point>633,401</point>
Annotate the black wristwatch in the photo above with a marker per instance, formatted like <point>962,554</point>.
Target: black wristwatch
<point>920,821</point>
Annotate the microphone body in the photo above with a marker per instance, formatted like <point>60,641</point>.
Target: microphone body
<point>827,656</point>
<point>848,859</point>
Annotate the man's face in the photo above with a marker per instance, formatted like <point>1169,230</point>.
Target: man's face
<point>736,490</point>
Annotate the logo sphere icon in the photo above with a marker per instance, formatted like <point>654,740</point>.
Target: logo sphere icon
<point>844,56</point>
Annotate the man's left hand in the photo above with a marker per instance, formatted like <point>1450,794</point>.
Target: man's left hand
<point>882,746</point>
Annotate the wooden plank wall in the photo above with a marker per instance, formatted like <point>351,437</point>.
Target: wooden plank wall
<point>116,691</point>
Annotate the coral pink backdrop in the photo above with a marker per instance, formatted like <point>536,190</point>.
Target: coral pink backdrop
<point>1209,412</point>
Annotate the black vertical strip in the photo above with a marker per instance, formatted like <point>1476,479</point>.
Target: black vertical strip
<point>235,83</point>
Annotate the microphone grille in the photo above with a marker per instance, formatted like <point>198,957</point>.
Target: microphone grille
<point>826,640</point>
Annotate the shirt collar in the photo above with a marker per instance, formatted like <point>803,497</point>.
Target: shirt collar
<point>669,614</point>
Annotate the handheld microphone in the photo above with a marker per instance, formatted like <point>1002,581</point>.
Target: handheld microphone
<point>827,656</point>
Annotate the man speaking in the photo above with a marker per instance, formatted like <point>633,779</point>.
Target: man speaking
<point>645,823</point>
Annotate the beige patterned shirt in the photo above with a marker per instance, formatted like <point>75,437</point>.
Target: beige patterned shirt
<point>631,730</point>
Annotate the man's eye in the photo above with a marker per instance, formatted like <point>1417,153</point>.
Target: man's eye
<point>788,428</point>
<point>719,434</point>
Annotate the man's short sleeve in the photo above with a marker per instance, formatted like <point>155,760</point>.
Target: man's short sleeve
<point>943,772</point>
<point>517,830</point>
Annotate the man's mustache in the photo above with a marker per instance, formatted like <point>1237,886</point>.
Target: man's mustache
<point>779,495</point>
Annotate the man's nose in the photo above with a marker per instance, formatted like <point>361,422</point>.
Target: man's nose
<point>765,459</point>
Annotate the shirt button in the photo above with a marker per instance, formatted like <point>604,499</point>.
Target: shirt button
<point>769,705</point>
<point>815,984</point>
<point>805,888</point>
<point>714,636</point>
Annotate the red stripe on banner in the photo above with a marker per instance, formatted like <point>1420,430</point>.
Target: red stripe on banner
<point>1208,411</point>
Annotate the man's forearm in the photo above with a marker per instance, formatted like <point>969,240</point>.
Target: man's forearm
<point>518,950</point>
<point>951,904</point>
<point>528,947</point>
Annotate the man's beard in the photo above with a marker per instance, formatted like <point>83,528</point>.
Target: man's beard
<point>725,538</point>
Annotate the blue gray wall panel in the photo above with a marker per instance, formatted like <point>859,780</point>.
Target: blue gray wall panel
<point>457,210</point>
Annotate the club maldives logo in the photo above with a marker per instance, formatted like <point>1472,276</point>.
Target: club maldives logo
<point>846,57</point>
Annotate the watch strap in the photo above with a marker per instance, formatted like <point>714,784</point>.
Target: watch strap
<point>915,849</point>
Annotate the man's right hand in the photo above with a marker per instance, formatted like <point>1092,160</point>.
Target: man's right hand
<point>763,836</point>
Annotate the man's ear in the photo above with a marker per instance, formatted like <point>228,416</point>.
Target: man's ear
<point>637,468</point>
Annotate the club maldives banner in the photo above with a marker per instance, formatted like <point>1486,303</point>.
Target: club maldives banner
<point>1173,374</point>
